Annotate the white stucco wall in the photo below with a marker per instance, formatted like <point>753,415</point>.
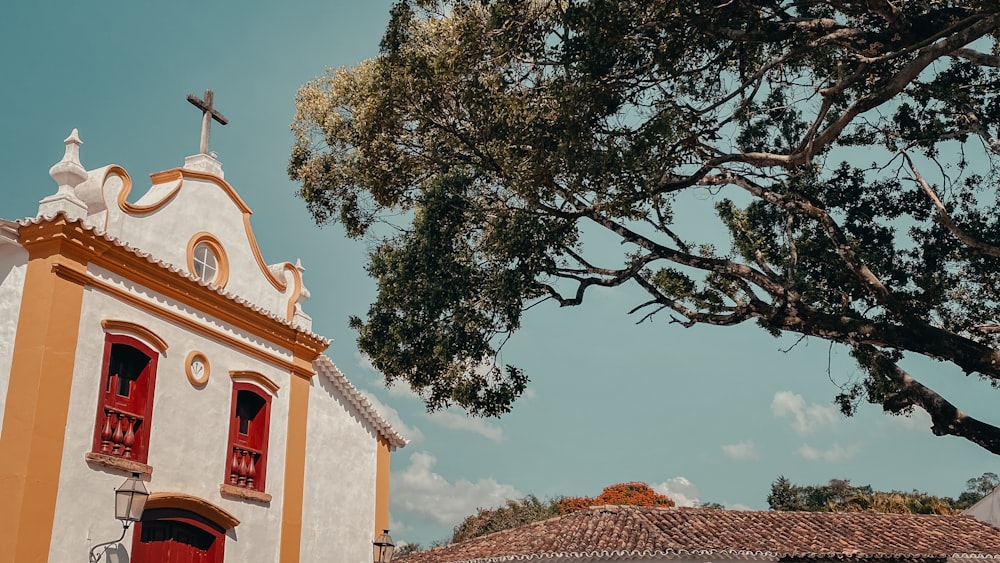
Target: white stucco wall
<point>339,509</point>
<point>13,263</point>
<point>188,441</point>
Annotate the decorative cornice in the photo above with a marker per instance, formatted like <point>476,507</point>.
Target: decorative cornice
<point>115,325</point>
<point>100,249</point>
<point>199,506</point>
<point>132,208</point>
<point>259,379</point>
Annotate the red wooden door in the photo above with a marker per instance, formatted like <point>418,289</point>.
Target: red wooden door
<point>176,537</point>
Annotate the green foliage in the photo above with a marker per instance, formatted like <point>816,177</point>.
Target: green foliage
<point>977,488</point>
<point>844,147</point>
<point>515,513</point>
<point>840,496</point>
<point>407,549</point>
<point>518,512</point>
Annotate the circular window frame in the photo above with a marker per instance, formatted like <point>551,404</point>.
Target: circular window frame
<point>222,261</point>
<point>193,379</point>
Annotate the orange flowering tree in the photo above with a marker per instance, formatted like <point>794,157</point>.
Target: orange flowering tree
<point>634,493</point>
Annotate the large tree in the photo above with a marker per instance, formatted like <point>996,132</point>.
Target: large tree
<point>847,147</point>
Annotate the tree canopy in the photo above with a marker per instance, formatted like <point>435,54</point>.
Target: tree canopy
<point>847,150</point>
<point>840,496</point>
<point>518,512</point>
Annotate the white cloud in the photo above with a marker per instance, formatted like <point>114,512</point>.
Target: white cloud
<point>399,389</point>
<point>364,361</point>
<point>391,415</point>
<point>805,418</point>
<point>737,506</point>
<point>460,421</point>
<point>682,491</point>
<point>419,489</point>
<point>740,450</point>
<point>835,454</point>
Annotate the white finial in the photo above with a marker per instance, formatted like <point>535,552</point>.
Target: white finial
<point>299,317</point>
<point>68,173</point>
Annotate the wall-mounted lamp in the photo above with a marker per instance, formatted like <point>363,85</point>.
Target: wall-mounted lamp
<point>383,547</point>
<point>130,500</point>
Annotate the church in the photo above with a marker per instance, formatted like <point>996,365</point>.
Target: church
<point>145,336</point>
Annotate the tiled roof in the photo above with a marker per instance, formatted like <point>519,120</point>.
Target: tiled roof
<point>627,533</point>
<point>325,367</point>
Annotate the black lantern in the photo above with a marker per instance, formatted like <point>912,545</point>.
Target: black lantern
<point>383,547</point>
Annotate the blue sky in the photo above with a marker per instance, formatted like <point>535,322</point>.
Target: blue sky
<point>704,414</point>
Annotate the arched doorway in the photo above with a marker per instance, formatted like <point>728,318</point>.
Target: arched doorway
<point>170,535</point>
<point>180,528</point>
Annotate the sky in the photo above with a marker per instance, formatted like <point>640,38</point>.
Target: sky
<point>702,414</point>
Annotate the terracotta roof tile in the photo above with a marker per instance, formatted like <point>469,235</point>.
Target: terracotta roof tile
<point>611,533</point>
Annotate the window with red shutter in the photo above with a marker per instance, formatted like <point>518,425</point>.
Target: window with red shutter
<point>248,433</point>
<point>126,399</point>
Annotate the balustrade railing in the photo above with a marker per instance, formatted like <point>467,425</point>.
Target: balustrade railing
<point>118,433</point>
<point>243,467</point>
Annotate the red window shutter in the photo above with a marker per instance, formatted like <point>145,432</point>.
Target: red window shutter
<point>249,427</point>
<point>128,377</point>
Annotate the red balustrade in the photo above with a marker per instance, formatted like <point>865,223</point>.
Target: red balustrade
<point>118,433</point>
<point>243,467</point>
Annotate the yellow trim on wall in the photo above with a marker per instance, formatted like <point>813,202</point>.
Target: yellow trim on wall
<point>161,279</point>
<point>184,173</point>
<point>259,379</point>
<point>122,199</point>
<point>382,486</point>
<point>150,337</point>
<point>199,506</point>
<point>295,469</point>
<point>38,395</point>
<point>84,278</point>
<point>192,378</point>
<point>222,261</point>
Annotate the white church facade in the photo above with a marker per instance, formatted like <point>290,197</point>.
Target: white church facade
<point>153,338</point>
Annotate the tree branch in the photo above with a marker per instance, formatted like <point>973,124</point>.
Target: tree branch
<point>947,418</point>
<point>981,59</point>
<point>944,219</point>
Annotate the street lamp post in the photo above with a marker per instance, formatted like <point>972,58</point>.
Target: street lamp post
<point>130,500</point>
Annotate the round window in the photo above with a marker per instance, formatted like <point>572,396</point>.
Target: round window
<point>206,263</point>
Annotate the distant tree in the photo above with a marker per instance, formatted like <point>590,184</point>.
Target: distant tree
<point>712,505</point>
<point>784,495</point>
<point>406,549</point>
<point>634,493</point>
<point>518,512</point>
<point>840,496</point>
<point>493,134</point>
<point>511,515</point>
<point>977,488</point>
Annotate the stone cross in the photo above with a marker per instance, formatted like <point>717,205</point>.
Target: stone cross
<point>208,113</point>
